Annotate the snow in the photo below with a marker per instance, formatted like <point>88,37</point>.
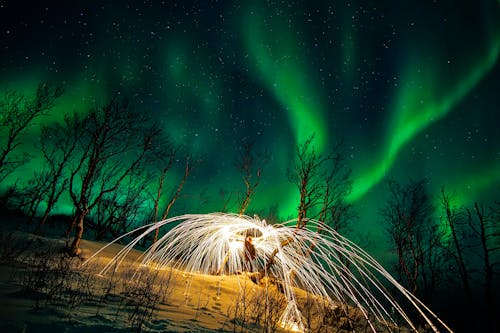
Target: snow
<point>206,306</point>
<point>42,289</point>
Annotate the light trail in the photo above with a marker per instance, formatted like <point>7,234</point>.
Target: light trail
<point>324,263</point>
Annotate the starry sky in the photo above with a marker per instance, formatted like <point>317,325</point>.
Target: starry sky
<point>411,87</point>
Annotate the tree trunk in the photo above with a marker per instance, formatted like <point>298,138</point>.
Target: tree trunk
<point>462,269</point>
<point>44,219</point>
<point>157,201</point>
<point>187,170</point>
<point>302,203</point>
<point>488,267</point>
<point>74,250</point>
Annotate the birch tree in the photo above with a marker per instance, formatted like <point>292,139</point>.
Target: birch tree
<point>17,113</point>
<point>114,143</point>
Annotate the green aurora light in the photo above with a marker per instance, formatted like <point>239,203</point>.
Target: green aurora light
<point>280,67</point>
<point>275,74</point>
<point>416,107</point>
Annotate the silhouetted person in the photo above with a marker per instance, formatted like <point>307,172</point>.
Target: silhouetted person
<point>249,253</point>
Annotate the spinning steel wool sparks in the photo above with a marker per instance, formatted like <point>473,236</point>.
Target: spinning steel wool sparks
<point>315,259</point>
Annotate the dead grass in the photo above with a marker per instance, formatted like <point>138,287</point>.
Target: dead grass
<point>155,300</point>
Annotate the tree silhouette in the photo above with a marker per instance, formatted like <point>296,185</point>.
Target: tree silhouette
<point>118,210</point>
<point>33,193</point>
<point>307,175</point>
<point>17,113</point>
<point>457,249</point>
<point>57,154</point>
<point>485,228</point>
<point>335,210</point>
<point>323,182</point>
<point>472,243</point>
<point>114,141</point>
<point>408,214</point>
<point>250,166</point>
<point>175,195</point>
<point>163,161</point>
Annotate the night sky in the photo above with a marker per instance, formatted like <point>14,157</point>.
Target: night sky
<point>411,87</point>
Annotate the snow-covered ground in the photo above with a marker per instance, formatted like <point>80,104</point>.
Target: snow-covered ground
<point>44,290</point>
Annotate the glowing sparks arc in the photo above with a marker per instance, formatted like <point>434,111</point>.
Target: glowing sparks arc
<point>317,260</point>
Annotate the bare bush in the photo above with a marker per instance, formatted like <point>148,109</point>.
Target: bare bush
<point>256,309</point>
<point>11,250</point>
<point>142,292</point>
<point>47,279</point>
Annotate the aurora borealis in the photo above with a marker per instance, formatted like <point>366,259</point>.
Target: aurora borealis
<point>410,87</point>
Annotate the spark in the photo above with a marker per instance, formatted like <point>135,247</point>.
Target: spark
<point>316,259</point>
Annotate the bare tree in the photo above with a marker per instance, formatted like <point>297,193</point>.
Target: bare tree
<point>117,210</point>
<point>435,258</point>
<point>455,226</point>
<point>250,165</point>
<point>33,193</point>
<point>335,210</point>
<point>175,195</point>
<point>167,162</point>
<point>484,224</point>
<point>187,170</point>
<point>114,141</point>
<point>163,162</point>
<point>17,113</point>
<point>306,174</point>
<point>57,155</point>
<point>323,182</point>
<point>408,214</point>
